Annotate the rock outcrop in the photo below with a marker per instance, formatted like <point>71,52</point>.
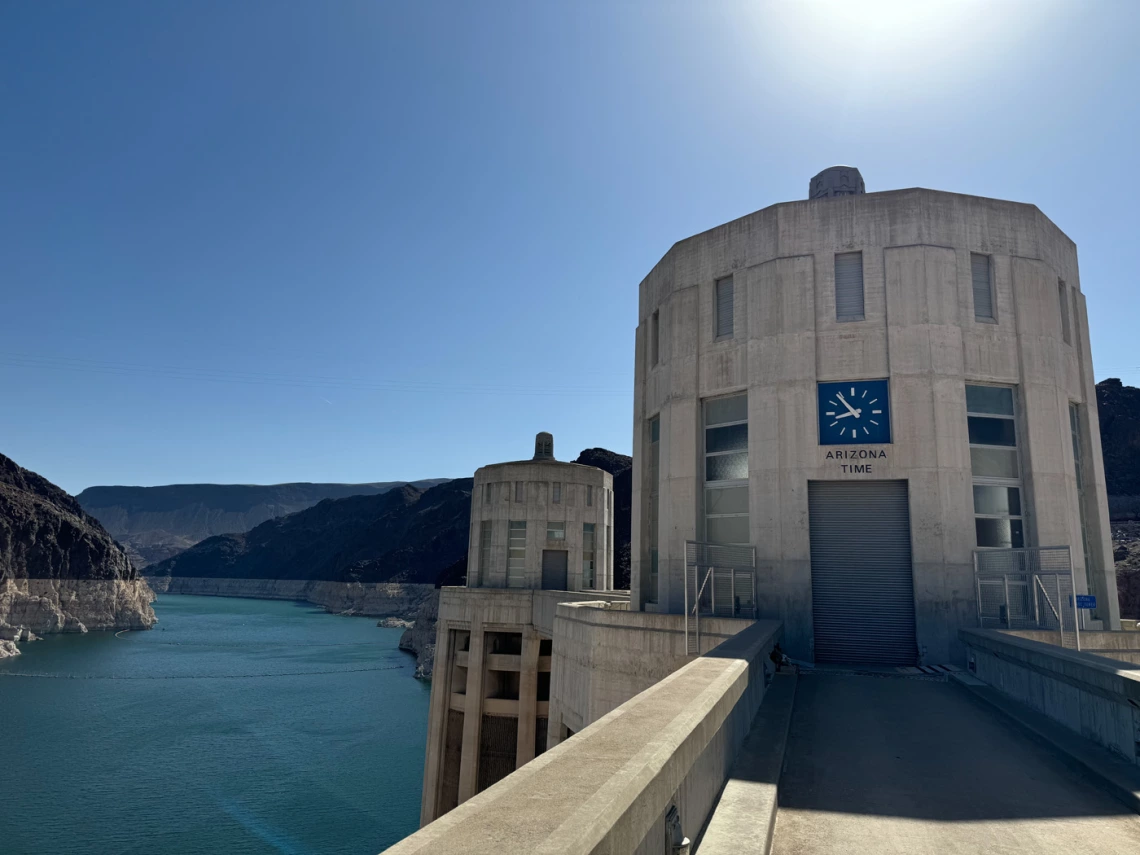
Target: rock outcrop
<point>1126,552</point>
<point>621,467</point>
<point>419,639</point>
<point>59,569</point>
<point>155,523</point>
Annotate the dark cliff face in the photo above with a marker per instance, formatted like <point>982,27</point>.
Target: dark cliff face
<point>155,523</point>
<point>45,534</point>
<point>404,535</point>
<point>1119,409</point>
<point>621,467</point>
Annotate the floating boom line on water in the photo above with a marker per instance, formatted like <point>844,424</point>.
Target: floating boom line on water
<point>198,676</point>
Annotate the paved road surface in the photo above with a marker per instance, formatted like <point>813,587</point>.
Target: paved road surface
<point>890,765</point>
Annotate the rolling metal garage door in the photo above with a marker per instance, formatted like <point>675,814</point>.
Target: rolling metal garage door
<point>861,584</point>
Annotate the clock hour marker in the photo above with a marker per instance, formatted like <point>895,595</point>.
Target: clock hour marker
<point>842,431</point>
<point>866,431</point>
<point>834,404</point>
<point>852,391</point>
<point>832,413</point>
<point>872,401</point>
<point>876,412</point>
<point>833,424</point>
<point>874,422</point>
<point>864,395</point>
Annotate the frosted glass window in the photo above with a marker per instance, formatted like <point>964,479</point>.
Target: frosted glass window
<point>726,470</point>
<point>987,431</point>
<point>726,467</point>
<point>729,438</point>
<point>998,510</point>
<point>994,463</point>
<point>556,530</point>
<point>997,400</point>
<point>589,555</point>
<point>721,411</point>
<point>516,554</point>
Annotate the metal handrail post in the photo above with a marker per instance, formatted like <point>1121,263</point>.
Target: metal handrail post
<point>685,588</point>
<point>1060,609</point>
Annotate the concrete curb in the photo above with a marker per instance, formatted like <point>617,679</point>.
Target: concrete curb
<point>744,818</point>
<point>1115,775</point>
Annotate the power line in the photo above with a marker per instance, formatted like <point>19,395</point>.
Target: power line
<point>219,375</point>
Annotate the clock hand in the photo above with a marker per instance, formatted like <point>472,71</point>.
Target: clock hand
<point>852,411</point>
<point>847,416</point>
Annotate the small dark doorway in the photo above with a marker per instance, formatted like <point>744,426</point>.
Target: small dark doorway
<point>554,564</point>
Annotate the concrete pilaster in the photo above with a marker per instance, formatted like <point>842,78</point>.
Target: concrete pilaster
<point>528,697</point>
<point>437,723</point>
<point>473,714</point>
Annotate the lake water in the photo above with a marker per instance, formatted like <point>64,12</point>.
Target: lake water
<point>234,726</point>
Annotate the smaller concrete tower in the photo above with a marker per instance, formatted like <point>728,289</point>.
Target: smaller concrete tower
<point>541,524</point>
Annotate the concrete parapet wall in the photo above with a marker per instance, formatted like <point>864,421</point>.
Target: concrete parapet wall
<point>603,657</point>
<point>1096,697</point>
<point>1122,646</point>
<point>607,789</point>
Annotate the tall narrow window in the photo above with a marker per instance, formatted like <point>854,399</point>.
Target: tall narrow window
<point>487,492</point>
<point>1078,465</point>
<point>654,338</point>
<point>484,570</point>
<point>589,555</point>
<point>556,492</point>
<point>649,557</point>
<point>724,295</point>
<point>516,554</point>
<point>983,280</point>
<point>589,496</point>
<point>849,286</point>
<point>726,470</point>
<point>991,422</point>
<point>520,491</point>
<point>1063,297</point>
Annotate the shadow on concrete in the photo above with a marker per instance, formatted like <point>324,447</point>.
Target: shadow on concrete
<point>924,750</point>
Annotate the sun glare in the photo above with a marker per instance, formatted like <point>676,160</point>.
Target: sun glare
<point>894,49</point>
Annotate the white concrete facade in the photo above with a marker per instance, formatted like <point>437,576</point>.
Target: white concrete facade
<point>919,331</point>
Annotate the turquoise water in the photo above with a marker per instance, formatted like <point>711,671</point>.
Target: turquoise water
<point>177,740</point>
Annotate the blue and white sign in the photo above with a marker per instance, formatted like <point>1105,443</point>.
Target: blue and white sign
<point>854,412</point>
<point>1086,601</point>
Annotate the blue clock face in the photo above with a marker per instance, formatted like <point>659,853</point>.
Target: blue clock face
<point>854,412</point>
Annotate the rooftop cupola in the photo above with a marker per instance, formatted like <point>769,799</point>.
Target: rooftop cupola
<point>836,181</point>
<point>544,446</point>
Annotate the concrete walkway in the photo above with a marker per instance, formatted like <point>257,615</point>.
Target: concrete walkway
<point>889,765</point>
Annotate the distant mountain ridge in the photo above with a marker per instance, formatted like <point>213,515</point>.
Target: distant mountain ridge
<point>154,523</point>
<point>405,535</point>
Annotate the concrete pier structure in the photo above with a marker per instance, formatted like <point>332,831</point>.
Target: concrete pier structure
<point>541,534</point>
<point>867,387</point>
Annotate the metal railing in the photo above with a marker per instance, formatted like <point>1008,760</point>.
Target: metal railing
<point>720,581</point>
<point>1030,588</point>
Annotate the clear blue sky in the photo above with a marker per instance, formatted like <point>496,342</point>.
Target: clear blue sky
<point>351,241</point>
